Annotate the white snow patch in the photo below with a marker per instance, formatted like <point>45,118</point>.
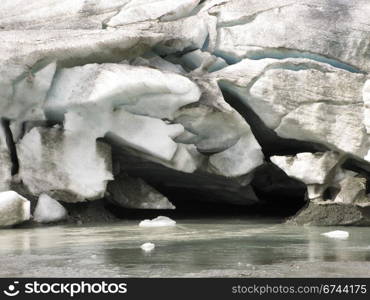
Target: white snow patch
<point>81,166</point>
<point>147,247</point>
<point>337,234</point>
<point>160,221</point>
<point>49,210</point>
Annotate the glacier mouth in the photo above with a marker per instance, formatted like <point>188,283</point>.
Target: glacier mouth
<point>131,105</point>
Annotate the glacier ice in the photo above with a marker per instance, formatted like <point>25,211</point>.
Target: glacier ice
<point>213,130</point>
<point>149,135</point>
<point>96,82</point>
<point>147,247</point>
<point>49,210</point>
<point>143,10</point>
<point>366,99</point>
<point>241,158</point>
<point>157,62</point>
<point>352,190</point>
<point>14,209</point>
<point>310,168</point>
<point>201,59</point>
<point>54,14</point>
<point>135,193</point>
<point>301,99</point>
<point>29,98</point>
<point>141,90</point>
<point>257,29</point>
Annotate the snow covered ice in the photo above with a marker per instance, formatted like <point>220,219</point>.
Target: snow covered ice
<point>49,210</point>
<point>14,209</point>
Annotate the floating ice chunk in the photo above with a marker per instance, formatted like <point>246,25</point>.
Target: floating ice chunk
<point>198,58</point>
<point>14,208</point>
<point>160,221</point>
<point>337,234</point>
<point>49,210</point>
<point>147,247</point>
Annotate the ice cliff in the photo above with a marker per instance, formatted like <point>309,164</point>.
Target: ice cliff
<point>233,98</point>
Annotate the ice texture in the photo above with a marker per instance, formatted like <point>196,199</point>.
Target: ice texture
<point>49,210</point>
<point>14,209</point>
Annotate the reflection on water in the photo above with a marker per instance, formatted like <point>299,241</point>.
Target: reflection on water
<point>209,248</point>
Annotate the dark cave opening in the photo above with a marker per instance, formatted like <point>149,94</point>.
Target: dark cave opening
<point>194,204</point>
<point>204,195</point>
<point>207,195</point>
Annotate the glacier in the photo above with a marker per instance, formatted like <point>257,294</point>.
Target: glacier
<point>119,102</point>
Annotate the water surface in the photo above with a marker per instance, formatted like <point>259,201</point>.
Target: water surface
<point>194,248</point>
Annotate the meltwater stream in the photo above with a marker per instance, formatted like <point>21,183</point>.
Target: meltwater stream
<point>194,248</point>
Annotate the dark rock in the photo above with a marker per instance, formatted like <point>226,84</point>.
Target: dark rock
<point>329,213</point>
<point>89,212</point>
